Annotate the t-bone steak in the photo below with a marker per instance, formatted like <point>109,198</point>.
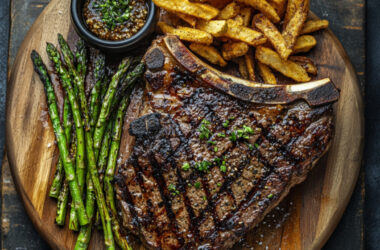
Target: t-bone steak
<point>203,160</point>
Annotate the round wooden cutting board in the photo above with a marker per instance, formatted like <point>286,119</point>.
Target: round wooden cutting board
<point>305,220</point>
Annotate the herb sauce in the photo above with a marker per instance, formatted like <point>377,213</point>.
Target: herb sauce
<point>115,19</point>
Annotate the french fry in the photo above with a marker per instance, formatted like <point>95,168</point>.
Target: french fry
<point>203,11</point>
<point>186,33</point>
<point>291,8</point>
<point>279,6</point>
<point>239,19</point>
<point>314,25</point>
<point>293,29</point>
<point>216,28</point>
<point>266,73</point>
<point>188,19</point>
<point>209,53</point>
<point>242,68</point>
<point>264,7</point>
<point>230,11</point>
<point>234,50</point>
<point>250,63</point>
<point>244,34</point>
<point>287,68</point>
<point>273,35</point>
<point>306,63</point>
<point>216,3</point>
<point>246,14</point>
<point>304,44</point>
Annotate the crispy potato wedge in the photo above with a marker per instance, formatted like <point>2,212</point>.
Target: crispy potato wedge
<point>216,28</point>
<point>250,63</point>
<point>209,53</point>
<point>188,19</point>
<point>306,63</point>
<point>264,7</point>
<point>187,34</point>
<point>287,68</point>
<point>244,34</point>
<point>216,3</point>
<point>293,29</point>
<point>239,19</point>
<point>234,50</point>
<point>291,8</point>
<point>243,68</point>
<point>304,44</point>
<point>314,25</point>
<point>266,73</point>
<point>230,11</point>
<point>203,11</point>
<point>279,6</point>
<point>246,14</point>
<point>273,35</point>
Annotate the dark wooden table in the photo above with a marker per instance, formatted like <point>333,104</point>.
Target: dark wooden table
<point>347,18</point>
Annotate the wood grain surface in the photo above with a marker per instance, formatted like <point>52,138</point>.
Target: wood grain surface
<point>311,212</point>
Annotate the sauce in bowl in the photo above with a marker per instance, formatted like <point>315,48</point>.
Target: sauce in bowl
<point>115,20</point>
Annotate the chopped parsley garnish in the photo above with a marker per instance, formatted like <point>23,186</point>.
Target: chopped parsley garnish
<point>203,166</point>
<point>204,132</point>
<point>113,12</point>
<point>219,184</point>
<point>270,196</point>
<point>231,118</point>
<point>221,135</point>
<point>250,146</point>
<point>242,133</point>
<point>217,160</point>
<point>186,166</point>
<point>173,190</point>
<point>257,145</point>
<point>211,142</point>
<point>204,198</point>
<point>197,185</point>
<point>223,167</point>
<point>215,149</point>
<point>226,123</point>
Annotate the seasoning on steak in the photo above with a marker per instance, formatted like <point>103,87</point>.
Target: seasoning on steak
<point>200,167</point>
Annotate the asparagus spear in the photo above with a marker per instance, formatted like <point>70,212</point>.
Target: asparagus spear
<point>59,173</point>
<point>130,79</point>
<point>107,102</point>
<point>99,73</point>
<point>106,220</point>
<point>81,56</point>
<point>110,172</point>
<point>68,165</point>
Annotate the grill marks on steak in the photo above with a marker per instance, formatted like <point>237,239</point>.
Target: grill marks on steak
<point>216,213</point>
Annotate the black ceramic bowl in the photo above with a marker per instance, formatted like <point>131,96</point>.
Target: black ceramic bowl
<point>107,45</point>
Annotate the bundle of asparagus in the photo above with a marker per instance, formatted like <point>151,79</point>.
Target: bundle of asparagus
<point>88,138</point>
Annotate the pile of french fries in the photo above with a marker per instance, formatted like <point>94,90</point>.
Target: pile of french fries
<point>259,35</point>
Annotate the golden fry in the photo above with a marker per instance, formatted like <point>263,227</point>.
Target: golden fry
<point>216,28</point>
<point>264,7</point>
<point>246,14</point>
<point>239,20</point>
<point>287,68</point>
<point>293,29</point>
<point>188,19</point>
<point>250,63</point>
<point>216,3</point>
<point>234,50</point>
<point>306,63</point>
<point>292,7</point>
<point>266,73</point>
<point>244,34</point>
<point>186,33</point>
<point>304,44</point>
<point>279,6</point>
<point>242,68</point>
<point>203,11</point>
<point>273,35</point>
<point>230,11</point>
<point>210,53</point>
<point>314,25</point>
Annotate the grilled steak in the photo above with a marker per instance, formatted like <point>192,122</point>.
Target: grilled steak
<point>201,167</point>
